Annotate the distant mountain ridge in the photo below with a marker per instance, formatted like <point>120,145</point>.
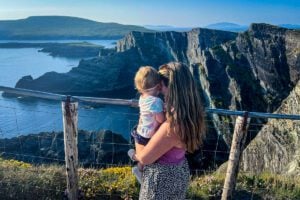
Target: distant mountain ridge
<point>223,26</point>
<point>227,26</point>
<point>167,28</point>
<point>290,26</point>
<point>63,27</point>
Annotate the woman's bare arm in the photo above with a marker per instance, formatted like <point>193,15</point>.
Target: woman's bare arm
<point>160,143</point>
<point>138,147</point>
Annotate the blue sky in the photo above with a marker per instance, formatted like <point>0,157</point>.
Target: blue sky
<point>184,13</point>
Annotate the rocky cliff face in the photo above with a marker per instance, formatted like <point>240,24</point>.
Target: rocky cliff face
<point>174,46</point>
<point>108,76</point>
<point>272,54</point>
<point>112,75</point>
<point>254,70</point>
<point>276,148</point>
<point>94,148</point>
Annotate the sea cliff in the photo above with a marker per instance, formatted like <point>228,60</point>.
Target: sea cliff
<point>254,70</point>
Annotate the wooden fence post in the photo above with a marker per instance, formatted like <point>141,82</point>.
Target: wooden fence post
<point>70,120</point>
<point>236,150</point>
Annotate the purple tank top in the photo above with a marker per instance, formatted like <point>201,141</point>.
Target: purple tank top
<point>174,156</point>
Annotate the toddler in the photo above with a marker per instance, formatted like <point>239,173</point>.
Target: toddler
<point>147,81</point>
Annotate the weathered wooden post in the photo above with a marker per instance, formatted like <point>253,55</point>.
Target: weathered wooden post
<point>70,120</point>
<point>236,150</point>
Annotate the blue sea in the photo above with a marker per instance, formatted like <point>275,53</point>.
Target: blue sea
<point>20,116</point>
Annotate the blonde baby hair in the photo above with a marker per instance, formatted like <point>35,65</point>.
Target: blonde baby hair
<point>146,79</point>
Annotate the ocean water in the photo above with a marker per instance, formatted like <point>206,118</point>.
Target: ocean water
<point>19,116</point>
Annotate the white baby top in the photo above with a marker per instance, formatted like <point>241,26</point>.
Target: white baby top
<point>148,107</point>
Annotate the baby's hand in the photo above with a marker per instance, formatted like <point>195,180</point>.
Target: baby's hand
<point>164,107</point>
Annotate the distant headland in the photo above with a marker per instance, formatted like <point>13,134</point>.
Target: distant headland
<point>63,27</point>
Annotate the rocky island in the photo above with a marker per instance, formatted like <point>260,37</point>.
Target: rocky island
<point>67,50</point>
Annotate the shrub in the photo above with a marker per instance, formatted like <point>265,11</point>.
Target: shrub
<point>21,180</point>
<point>116,181</point>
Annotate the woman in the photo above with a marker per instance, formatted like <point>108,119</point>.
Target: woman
<point>166,172</point>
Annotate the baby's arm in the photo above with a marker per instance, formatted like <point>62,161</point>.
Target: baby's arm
<point>159,111</point>
<point>160,117</point>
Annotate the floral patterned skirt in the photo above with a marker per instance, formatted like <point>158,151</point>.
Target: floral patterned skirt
<point>165,182</point>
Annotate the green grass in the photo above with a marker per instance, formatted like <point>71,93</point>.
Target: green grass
<point>19,180</point>
<point>248,186</point>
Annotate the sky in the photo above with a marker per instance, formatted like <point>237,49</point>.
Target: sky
<point>181,13</point>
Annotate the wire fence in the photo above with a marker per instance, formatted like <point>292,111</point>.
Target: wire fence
<point>33,132</point>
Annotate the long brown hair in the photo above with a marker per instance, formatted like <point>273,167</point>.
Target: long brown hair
<point>184,109</point>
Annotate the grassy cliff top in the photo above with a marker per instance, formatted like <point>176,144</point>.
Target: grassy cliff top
<point>20,180</point>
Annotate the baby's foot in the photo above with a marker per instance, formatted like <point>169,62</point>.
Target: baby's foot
<point>137,173</point>
<point>131,153</point>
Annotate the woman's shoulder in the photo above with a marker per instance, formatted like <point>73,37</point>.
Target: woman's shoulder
<point>164,127</point>
<point>168,131</point>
